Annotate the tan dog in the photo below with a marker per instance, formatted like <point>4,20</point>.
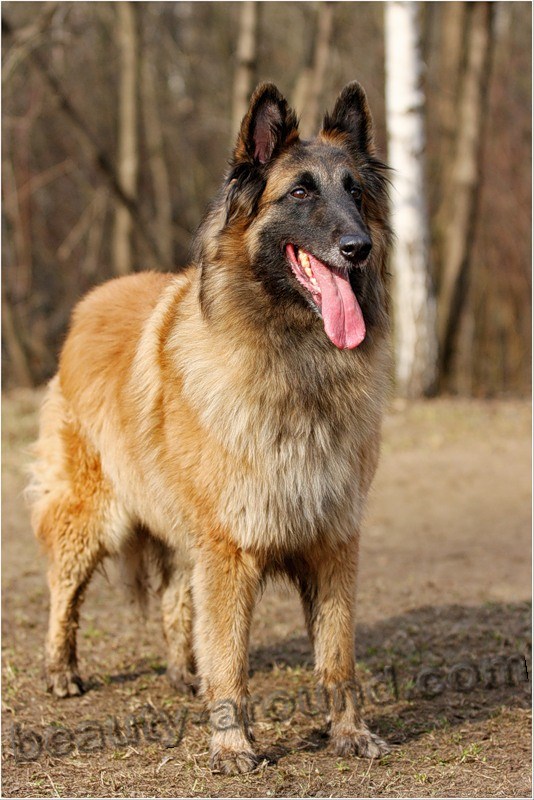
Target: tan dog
<point>227,418</point>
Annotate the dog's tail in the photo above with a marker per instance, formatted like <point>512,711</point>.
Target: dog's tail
<point>145,565</point>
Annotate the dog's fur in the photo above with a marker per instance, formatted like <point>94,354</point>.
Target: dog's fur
<point>207,418</point>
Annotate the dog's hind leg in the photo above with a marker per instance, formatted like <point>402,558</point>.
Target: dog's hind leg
<point>71,503</point>
<point>177,612</point>
<point>74,558</point>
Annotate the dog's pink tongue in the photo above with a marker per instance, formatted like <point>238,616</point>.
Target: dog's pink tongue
<point>342,316</point>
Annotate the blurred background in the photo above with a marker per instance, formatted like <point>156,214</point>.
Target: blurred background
<point>118,119</point>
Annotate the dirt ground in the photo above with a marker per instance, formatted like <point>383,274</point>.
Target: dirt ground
<point>443,635</point>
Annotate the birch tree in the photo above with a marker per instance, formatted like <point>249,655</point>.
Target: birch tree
<point>246,53</point>
<point>128,158</point>
<point>414,303</point>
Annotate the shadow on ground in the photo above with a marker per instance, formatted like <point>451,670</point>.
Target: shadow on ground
<point>430,667</point>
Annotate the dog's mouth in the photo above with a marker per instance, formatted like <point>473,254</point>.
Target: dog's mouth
<point>332,295</point>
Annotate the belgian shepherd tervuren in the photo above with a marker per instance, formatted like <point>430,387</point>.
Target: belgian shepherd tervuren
<point>227,419</point>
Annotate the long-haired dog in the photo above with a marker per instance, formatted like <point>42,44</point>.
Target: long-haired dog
<point>227,418</point>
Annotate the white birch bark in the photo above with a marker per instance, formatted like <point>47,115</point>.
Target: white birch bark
<point>414,303</point>
<point>245,61</point>
<point>128,158</point>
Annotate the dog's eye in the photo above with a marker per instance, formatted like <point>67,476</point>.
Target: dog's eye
<point>299,192</point>
<point>356,193</point>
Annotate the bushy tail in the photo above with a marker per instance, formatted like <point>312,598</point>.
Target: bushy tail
<point>144,565</point>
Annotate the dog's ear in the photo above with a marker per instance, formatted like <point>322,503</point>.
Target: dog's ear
<point>351,118</point>
<point>268,126</point>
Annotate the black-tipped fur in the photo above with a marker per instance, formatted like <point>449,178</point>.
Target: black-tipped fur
<point>343,152</point>
<point>351,116</point>
<point>267,127</point>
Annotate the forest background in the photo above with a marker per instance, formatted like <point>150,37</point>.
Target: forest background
<point>118,119</point>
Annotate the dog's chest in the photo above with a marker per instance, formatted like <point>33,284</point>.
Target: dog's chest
<point>299,477</point>
<point>284,451</point>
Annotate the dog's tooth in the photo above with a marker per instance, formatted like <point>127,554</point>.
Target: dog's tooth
<point>309,273</point>
<point>313,280</point>
<point>304,260</point>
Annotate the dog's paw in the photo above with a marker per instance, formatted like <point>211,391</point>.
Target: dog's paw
<point>64,684</point>
<point>233,762</point>
<point>182,680</point>
<point>359,742</point>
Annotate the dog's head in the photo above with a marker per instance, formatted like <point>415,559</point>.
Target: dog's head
<point>309,217</point>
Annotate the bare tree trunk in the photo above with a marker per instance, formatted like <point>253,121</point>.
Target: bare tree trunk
<point>246,56</point>
<point>414,305</point>
<point>451,20</point>
<point>127,160</point>
<point>21,275</point>
<point>156,161</point>
<point>18,360</point>
<point>310,85</point>
<point>92,146</point>
<point>302,84</point>
<point>461,201</point>
<point>26,39</point>
<point>96,233</point>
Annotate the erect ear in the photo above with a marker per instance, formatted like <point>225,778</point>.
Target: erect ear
<point>268,125</point>
<point>351,116</point>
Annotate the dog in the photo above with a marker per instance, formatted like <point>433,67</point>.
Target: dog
<point>224,421</point>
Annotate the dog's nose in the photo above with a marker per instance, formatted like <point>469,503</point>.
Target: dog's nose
<point>355,246</point>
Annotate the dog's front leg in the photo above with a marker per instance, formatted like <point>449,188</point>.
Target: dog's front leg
<point>225,587</point>
<point>328,587</point>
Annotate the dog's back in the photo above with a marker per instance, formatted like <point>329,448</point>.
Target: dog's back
<point>103,337</point>
<point>86,394</point>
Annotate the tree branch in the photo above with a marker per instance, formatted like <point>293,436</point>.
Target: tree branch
<point>91,143</point>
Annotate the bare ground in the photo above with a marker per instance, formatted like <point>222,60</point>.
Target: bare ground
<point>443,634</point>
